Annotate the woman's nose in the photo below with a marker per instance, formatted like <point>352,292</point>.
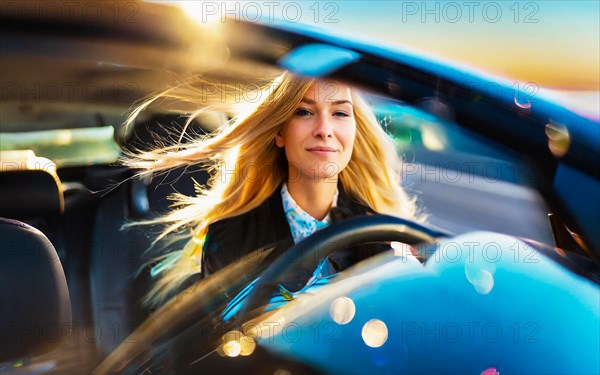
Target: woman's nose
<point>323,127</point>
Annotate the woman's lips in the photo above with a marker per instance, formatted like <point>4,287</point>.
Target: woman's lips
<point>321,151</point>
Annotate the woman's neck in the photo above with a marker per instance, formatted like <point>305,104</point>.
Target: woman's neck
<point>314,197</point>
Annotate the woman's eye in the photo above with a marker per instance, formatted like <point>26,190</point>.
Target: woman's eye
<point>302,112</point>
<point>341,114</point>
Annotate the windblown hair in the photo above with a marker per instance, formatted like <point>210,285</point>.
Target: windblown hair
<point>246,166</point>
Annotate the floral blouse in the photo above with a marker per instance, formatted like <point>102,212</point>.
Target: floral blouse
<point>301,223</point>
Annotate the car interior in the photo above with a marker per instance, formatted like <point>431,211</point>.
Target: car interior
<point>73,274</point>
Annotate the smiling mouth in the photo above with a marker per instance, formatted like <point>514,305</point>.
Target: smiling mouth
<point>320,149</point>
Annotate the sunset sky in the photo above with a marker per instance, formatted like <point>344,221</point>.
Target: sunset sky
<point>553,43</point>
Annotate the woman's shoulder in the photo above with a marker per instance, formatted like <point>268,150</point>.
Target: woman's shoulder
<point>231,239</point>
<point>226,233</point>
<point>229,225</point>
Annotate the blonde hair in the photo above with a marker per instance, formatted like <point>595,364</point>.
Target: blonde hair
<point>245,143</point>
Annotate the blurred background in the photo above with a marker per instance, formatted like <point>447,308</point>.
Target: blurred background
<point>552,45</point>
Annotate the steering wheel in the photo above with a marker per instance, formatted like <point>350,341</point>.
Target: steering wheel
<point>206,295</point>
<point>357,230</point>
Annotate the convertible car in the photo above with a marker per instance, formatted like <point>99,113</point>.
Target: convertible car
<point>504,277</point>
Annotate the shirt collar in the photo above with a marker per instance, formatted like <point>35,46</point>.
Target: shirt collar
<point>301,223</point>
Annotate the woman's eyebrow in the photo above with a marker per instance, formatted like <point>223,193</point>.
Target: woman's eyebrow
<point>335,102</point>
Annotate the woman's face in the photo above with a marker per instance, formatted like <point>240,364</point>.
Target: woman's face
<point>319,138</point>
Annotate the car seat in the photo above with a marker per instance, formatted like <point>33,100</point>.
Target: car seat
<point>35,307</point>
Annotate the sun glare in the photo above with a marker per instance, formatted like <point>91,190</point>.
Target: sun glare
<point>204,12</point>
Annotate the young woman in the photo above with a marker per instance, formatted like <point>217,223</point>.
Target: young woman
<point>307,154</point>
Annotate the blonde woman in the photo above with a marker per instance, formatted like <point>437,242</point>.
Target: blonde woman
<point>308,154</point>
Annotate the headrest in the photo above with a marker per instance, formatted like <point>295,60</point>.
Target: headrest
<point>35,308</point>
<point>29,189</point>
<point>161,130</point>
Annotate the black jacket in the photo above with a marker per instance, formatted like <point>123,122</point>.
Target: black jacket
<point>266,225</point>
